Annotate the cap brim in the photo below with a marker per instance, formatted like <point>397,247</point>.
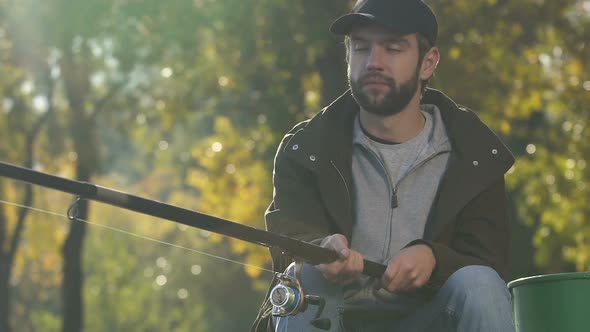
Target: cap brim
<point>344,24</point>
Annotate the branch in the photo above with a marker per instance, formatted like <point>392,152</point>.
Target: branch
<point>30,144</point>
<point>20,226</point>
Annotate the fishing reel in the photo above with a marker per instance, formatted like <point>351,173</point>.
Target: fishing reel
<point>289,299</point>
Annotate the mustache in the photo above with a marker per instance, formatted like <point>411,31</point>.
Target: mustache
<point>376,78</point>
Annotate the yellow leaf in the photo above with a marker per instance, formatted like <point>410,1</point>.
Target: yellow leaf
<point>454,53</point>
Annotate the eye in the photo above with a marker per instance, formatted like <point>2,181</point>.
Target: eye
<point>360,46</point>
<point>393,47</point>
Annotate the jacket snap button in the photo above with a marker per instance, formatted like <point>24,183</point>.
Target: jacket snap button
<point>295,147</point>
<point>475,163</point>
<point>494,151</point>
<point>312,158</point>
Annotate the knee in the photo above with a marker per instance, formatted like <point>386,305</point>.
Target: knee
<point>477,287</point>
<point>476,278</point>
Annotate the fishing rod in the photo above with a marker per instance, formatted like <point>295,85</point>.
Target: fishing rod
<point>298,250</point>
<point>288,296</point>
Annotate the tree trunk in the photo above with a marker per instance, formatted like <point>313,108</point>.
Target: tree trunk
<point>4,295</point>
<point>73,282</point>
<point>7,259</point>
<point>332,68</point>
<point>82,128</point>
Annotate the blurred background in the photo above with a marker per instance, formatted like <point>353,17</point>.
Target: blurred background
<point>185,101</point>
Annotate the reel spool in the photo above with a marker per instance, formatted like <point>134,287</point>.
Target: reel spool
<point>287,296</point>
<point>289,299</point>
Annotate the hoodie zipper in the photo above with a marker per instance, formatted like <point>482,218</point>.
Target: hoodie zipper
<point>394,202</point>
<point>392,193</point>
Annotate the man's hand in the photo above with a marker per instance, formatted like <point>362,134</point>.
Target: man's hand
<point>410,269</point>
<point>348,267</point>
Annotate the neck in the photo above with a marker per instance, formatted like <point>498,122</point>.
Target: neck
<point>396,128</point>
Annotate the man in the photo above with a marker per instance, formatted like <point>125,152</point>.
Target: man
<point>398,174</point>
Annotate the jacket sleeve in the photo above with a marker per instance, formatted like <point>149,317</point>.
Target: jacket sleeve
<point>296,210</point>
<point>481,237</point>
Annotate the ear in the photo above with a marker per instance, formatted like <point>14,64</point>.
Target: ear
<point>429,63</point>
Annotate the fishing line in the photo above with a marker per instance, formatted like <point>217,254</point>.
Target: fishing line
<point>137,235</point>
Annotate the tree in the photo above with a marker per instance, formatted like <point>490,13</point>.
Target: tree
<point>186,101</point>
<point>526,79</point>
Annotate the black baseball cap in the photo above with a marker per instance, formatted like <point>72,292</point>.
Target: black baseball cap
<point>405,16</point>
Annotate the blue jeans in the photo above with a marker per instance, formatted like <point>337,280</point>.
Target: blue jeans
<point>474,299</point>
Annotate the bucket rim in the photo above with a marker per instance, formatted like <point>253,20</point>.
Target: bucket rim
<point>549,278</point>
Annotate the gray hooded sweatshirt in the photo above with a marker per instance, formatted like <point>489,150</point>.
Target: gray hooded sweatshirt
<point>394,188</point>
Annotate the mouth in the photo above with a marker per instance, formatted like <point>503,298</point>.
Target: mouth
<point>374,82</point>
<point>374,85</point>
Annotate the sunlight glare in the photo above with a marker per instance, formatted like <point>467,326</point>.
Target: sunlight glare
<point>98,79</point>
<point>196,269</point>
<point>40,104</point>
<point>182,293</point>
<point>161,262</point>
<point>230,169</point>
<point>217,147</point>
<point>7,105</point>
<point>531,148</point>
<point>140,119</point>
<point>166,72</point>
<point>161,280</point>
<point>27,87</point>
<point>223,81</point>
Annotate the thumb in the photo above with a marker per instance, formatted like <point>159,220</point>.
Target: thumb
<point>338,243</point>
<point>344,253</point>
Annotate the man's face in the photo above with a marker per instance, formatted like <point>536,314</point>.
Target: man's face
<point>383,69</point>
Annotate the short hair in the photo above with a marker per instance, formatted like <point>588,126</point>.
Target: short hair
<point>424,45</point>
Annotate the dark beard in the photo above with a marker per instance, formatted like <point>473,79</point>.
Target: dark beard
<point>393,102</point>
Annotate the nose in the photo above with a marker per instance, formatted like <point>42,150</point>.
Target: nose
<point>375,59</point>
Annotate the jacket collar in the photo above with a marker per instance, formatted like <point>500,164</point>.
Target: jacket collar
<point>329,134</point>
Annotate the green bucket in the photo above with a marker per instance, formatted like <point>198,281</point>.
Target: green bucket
<point>552,303</point>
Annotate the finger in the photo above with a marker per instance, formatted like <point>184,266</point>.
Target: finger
<point>406,283</point>
<point>330,269</point>
<point>419,282</point>
<point>390,273</point>
<point>328,273</point>
<point>350,269</point>
<point>343,253</point>
<point>406,276</point>
<point>399,281</point>
<point>357,264</point>
<point>338,243</point>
